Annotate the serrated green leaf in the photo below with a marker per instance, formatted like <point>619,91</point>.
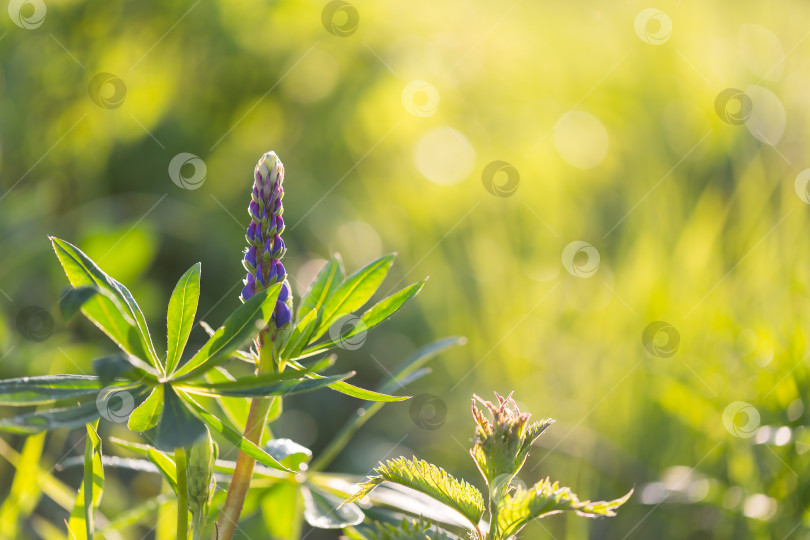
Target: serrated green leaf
<point>82,519</point>
<point>177,427</point>
<point>147,414</point>
<point>243,325</point>
<point>47,389</point>
<point>430,480</point>
<point>323,510</point>
<point>233,435</point>
<point>371,318</point>
<point>325,283</point>
<point>355,291</point>
<point>405,530</point>
<point>180,316</point>
<point>300,336</point>
<point>115,320</point>
<point>517,507</point>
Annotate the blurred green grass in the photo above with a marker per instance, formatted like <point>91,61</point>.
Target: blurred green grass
<point>616,141</point>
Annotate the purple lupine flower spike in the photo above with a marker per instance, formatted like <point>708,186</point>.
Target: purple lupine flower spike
<point>266,248</point>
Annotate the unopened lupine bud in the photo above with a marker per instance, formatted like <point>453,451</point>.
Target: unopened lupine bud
<point>265,245</point>
<point>200,474</point>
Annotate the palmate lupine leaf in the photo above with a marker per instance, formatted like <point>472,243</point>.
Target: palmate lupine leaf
<point>180,315</point>
<point>355,291</point>
<point>127,326</point>
<point>373,316</point>
<point>430,480</point>
<point>262,386</point>
<point>516,509</point>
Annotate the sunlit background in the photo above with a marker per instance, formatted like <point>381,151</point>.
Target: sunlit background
<point>609,200</point>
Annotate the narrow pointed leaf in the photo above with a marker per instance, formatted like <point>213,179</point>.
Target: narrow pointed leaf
<point>263,386</point>
<point>180,317</point>
<point>47,389</point>
<point>374,316</point>
<point>46,420</point>
<point>82,271</point>
<point>82,519</point>
<point>243,325</point>
<point>355,291</point>
<point>300,336</point>
<point>147,414</point>
<point>72,300</point>
<point>234,436</point>
<point>165,465</point>
<point>123,366</point>
<point>325,283</point>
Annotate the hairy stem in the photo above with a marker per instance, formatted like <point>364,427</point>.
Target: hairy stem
<point>243,472</point>
<point>182,493</point>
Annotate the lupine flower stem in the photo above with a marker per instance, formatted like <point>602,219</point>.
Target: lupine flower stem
<point>182,493</point>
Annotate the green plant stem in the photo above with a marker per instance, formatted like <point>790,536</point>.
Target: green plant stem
<point>182,494</point>
<point>243,471</point>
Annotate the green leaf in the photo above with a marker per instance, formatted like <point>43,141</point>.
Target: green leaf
<point>147,414</point>
<point>82,522</point>
<point>38,421</point>
<point>123,320</point>
<point>406,530</point>
<point>24,495</point>
<point>72,300</point>
<point>374,316</point>
<point>243,325</point>
<point>165,465</point>
<point>351,390</point>
<point>180,317</point>
<point>234,436</point>
<point>123,366</point>
<point>323,510</point>
<point>515,507</point>
<point>322,287</point>
<point>270,384</point>
<point>177,427</point>
<point>300,336</point>
<point>355,291</point>
<point>47,389</point>
<point>289,453</point>
<point>282,506</point>
<point>430,480</point>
